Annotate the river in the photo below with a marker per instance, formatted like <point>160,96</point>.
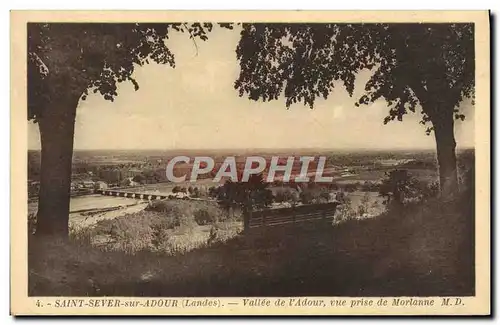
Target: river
<point>88,209</point>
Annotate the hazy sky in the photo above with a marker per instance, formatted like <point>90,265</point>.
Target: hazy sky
<point>196,106</point>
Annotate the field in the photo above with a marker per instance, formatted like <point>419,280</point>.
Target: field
<point>374,175</point>
<point>423,251</point>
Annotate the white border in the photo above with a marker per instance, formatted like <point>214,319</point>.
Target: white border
<point>214,4</point>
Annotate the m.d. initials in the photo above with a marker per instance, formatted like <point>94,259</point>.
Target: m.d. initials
<point>452,302</point>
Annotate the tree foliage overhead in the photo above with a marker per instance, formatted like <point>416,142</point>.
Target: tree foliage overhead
<point>72,59</point>
<point>431,65</point>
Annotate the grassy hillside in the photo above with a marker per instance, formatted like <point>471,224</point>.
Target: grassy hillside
<point>424,250</point>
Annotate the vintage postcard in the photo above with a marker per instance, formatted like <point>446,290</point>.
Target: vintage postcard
<point>250,163</point>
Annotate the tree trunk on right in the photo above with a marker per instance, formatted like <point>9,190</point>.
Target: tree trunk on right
<point>446,156</point>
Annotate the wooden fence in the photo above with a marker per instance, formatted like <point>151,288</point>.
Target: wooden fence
<point>301,213</point>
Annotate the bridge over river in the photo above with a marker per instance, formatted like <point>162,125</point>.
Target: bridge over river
<point>147,196</point>
<point>134,195</point>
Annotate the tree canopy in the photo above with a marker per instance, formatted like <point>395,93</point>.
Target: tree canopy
<point>253,194</point>
<point>73,59</point>
<point>427,64</point>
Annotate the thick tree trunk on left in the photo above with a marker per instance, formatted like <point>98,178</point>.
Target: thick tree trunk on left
<point>57,126</point>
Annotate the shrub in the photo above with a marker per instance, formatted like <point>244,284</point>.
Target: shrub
<point>253,194</point>
<point>159,235</point>
<point>306,197</point>
<point>340,196</point>
<point>31,223</point>
<point>325,196</point>
<point>141,179</point>
<point>129,233</point>
<point>206,216</point>
<point>284,195</point>
<point>196,192</point>
<point>344,212</point>
<point>316,194</point>
<point>430,190</point>
<point>295,199</point>
<point>261,198</point>
<point>363,207</point>
<point>333,186</point>
<point>399,188</point>
<point>222,232</point>
<point>201,192</point>
<point>175,212</point>
<point>368,186</point>
<point>212,237</point>
<point>351,187</point>
<point>213,191</point>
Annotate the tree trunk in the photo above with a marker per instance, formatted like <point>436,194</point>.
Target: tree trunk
<point>447,160</point>
<point>247,214</point>
<point>57,127</point>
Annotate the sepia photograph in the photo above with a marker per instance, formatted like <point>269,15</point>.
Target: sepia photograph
<point>195,163</point>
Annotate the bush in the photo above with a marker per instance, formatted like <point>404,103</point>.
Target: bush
<point>306,197</point>
<point>199,192</point>
<point>368,186</point>
<point>141,179</point>
<point>340,196</point>
<point>82,235</point>
<point>129,233</point>
<point>176,214</point>
<point>333,186</point>
<point>315,195</point>
<point>31,223</point>
<point>206,216</point>
<point>212,237</point>
<point>213,191</point>
<point>324,196</point>
<point>159,235</point>
<point>221,233</point>
<point>351,187</point>
<point>364,205</point>
<point>284,195</point>
<point>430,190</point>
<point>145,230</point>
<point>399,188</point>
<point>344,212</point>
